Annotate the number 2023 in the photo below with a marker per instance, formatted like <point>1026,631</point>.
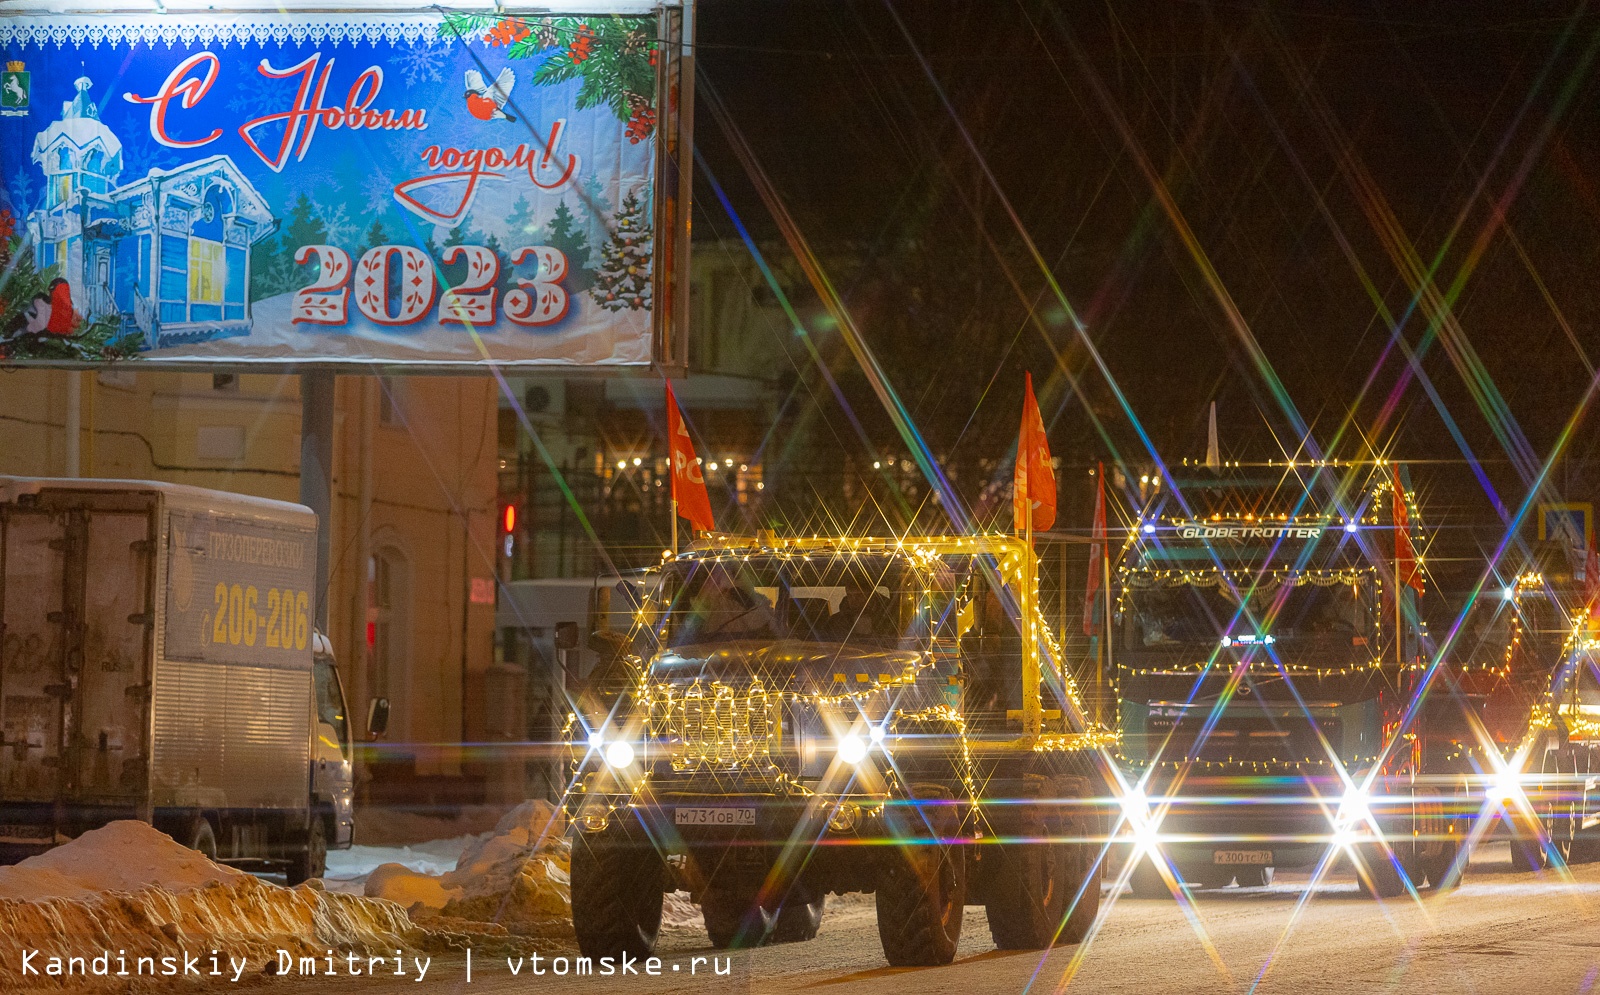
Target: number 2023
<point>539,301</point>
<point>238,619</point>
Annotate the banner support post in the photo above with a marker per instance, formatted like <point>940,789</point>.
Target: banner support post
<point>316,473</point>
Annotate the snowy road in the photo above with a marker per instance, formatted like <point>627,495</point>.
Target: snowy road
<point>1500,927</point>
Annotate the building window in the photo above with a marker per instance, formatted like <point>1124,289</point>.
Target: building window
<point>388,636</point>
<point>206,271</point>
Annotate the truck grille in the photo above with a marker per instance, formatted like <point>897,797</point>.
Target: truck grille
<point>715,725</point>
<point>1241,738</point>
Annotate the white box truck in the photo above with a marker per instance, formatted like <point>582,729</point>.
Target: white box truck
<point>158,662</point>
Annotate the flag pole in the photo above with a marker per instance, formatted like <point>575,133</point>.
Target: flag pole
<point>1105,638</point>
<point>674,518</point>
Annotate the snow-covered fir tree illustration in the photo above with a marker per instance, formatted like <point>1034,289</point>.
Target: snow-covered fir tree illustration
<point>622,280</point>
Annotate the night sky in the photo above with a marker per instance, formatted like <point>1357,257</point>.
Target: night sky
<point>1240,204</point>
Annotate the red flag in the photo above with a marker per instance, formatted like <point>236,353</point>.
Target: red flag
<point>1405,555</point>
<point>688,484</point>
<point>1033,483</point>
<point>1091,618</point>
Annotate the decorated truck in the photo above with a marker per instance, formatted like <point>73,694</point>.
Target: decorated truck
<point>1279,694</point>
<point>157,662</point>
<point>805,717</point>
<point>1541,631</point>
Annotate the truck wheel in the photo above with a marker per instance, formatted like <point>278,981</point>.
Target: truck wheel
<point>1036,885</point>
<point>616,896</point>
<point>202,839</point>
<point>734,920</point>
<point>1146,881</point>
<point>798,921</point>
<point>922,894</point>
<point>1584,848</point>
<point>312,862</point>
<point>1379,875</point>
<point>1254,877</point>
<point>1527,855</point>
<point>1215,875</point>
<point>1437,868</point>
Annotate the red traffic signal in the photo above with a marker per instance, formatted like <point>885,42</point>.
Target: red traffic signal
<point>508,519</point>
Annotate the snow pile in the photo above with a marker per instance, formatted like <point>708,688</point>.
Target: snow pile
<point>122,856</point>
<point>678,911</point>
<point>517,875</point>
<point>348,870</point>
<point>128,887</point>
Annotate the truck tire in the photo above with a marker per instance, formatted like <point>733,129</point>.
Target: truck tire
<point>734,920</point>
<point>202,839</point>
<point>1438,869</point>
<point>1146,881</point>
<point>1527,855</point>
<point>311,862</point>
<point>1254,877</point>
<point>737,921</point>
<point>799,921</point>
<point>1034,900</point>
<point>616,896</point>
<point>922,895</point>
<point>1380,877</point>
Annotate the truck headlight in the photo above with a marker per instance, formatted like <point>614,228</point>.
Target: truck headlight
<point>1351,819</point>
<point>852,749</point>
<point>1505,785</point>
<point>619,754</point>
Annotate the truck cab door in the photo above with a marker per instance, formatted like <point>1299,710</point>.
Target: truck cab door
<point>332,781</point>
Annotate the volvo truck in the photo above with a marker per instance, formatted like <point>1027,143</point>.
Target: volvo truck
<point>1281,703</point>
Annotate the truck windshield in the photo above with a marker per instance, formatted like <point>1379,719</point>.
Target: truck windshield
<point>872,600</point>
<point>1201,615</point>
<point>330,700</point>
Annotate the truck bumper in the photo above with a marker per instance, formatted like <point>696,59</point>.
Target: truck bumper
<point>1289,821</point>
<point>735,841</point>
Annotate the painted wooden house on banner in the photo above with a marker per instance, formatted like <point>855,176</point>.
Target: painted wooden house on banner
<point>168,255</point>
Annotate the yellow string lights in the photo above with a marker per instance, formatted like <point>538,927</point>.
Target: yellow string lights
<point>738,726</point>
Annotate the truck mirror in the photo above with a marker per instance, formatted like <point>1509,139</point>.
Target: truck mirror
<point>566,635</point>
<point>377,717</point>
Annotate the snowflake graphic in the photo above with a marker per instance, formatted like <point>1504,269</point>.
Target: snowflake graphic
<point>22,192</point>
<point>257,96</point>
<point>377,194</point>
<point>141,153</point>
<point>419,63</point>
<point>336,220</point>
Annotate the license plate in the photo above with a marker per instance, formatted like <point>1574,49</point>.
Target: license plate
<point>715,817</point>
<point>1262,858</point>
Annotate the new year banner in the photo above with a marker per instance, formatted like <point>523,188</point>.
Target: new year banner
<point>440,189</point>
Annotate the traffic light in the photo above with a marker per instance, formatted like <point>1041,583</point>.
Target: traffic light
<point>508,528</point>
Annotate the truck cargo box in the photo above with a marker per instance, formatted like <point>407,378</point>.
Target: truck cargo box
<point>155,659</point>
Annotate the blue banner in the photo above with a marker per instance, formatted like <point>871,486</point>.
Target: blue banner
<point>436,189</point>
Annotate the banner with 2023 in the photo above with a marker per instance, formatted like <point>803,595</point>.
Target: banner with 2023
<point>435,189</point>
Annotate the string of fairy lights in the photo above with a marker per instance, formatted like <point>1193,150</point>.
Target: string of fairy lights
<point>724,725</point>
<point>716,725</point>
